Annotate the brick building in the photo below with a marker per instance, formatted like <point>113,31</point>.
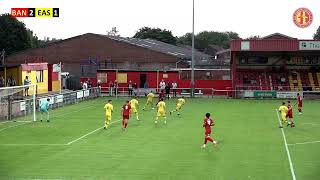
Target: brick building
<point>83,55</point>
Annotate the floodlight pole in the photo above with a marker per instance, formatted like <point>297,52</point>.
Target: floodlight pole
<point>60,79</point>
<point>192,60</point>
<point>34,101</point>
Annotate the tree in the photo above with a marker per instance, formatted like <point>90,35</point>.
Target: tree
<point>206,38</point>
<point>316,36</point>
<point>162,35</point>
<point>255,37</point>
<point>14,35</point>
<point>185,39</point>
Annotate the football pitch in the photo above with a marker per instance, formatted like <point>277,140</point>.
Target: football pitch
<point>251,146</point>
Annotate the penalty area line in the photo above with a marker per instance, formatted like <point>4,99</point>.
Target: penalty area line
<point>287,148</point>
<point>301,143</point>
<point>73,141</point>
<point>52,117</point>
<point>67,144</point>
<point>14,126</point>
<point>33,144</point>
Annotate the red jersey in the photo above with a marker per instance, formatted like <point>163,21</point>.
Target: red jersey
<point>161,95</point>
<point>207,123</point>
<point>126,109</point>
<point>289,110</point>
<point>299,98</point>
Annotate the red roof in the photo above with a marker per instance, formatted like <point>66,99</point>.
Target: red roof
<point>273,42</point>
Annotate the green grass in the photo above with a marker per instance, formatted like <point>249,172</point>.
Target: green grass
<point>250,144</point>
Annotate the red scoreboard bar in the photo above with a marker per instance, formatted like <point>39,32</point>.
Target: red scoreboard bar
<point>35,12</point>
<point>20,12</point>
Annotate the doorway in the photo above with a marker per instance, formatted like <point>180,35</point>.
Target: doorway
<point>143,80</point>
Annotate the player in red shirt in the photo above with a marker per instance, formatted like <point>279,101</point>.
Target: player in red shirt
<point>290,115</point>
<point>161,95</point>
<point>207,123</point>
<point>299,101</point>
<point>126,111</point>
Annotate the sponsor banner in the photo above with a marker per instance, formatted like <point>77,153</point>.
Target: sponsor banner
<point>311,94</point>
<point>248,94</point>
<point>309,45</point>
<point>264,94</point>
<point>79,94</point>
<point>287,95</point>
<point>59,99</point>
<point>86,93</point>
<point>22,106</point>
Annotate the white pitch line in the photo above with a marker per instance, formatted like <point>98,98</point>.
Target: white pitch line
<point>22,121</point>
<point>33,144</point>
<point>88,134</point>
<point>287,149</point>
<point>2,122</point>
<point>25,122</point>
<point>313,124</point>
<point>309,142</point>
<point>14,126</point>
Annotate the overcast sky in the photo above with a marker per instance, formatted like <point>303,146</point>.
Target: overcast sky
<point>246,17</point>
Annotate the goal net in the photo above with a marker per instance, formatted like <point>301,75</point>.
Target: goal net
<point>18,103</point>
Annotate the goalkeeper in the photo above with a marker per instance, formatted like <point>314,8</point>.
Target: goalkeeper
<point>44,109</point>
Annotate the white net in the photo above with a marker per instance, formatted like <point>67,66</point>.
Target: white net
<point>17,103</point>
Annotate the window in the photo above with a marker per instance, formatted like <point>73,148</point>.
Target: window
<point>40,76</point>
<point>122,77</point>
<point>102,77</point>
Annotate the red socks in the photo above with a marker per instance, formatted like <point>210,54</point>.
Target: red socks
<point>206,139</point>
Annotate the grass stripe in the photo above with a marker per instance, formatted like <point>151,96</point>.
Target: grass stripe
<point>287,149</point>
<point>73,141</point>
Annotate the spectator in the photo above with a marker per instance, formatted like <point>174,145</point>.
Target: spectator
<point>146,85</point>
<point>85,85</point>
<point>99,84</point>
<point>115,87</point>
<point>174,88</point>
<point>130,88</point>
<point>167,87</point>
<point>26,82</point>
<point>89,83</point>
<point>280,88</point>
<point>283,80</point>
<point>111,88</point>
<point>9,82</point>
<point>13,81</point>
<point>135,87</point>
<point>162,85</point>
<point>1,81</point>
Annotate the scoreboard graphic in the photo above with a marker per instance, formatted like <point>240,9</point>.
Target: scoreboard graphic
<point>35,12</point>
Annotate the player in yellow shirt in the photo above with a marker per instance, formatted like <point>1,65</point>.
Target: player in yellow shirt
<point>283,113</point>
<point>109,109</point>
<point>149,103</point>
<point>180,103</point>
<point>134,103</point>
<point>161,106</point>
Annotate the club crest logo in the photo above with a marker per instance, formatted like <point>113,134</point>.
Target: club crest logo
<point>302,17</point>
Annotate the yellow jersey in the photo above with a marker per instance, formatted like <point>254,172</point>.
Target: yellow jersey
<point>134,103</point>
<point>109,108</point>
<point>150,96</point>
<point>161,106</point>
<point>283,110</point>
<point>181,101</point>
